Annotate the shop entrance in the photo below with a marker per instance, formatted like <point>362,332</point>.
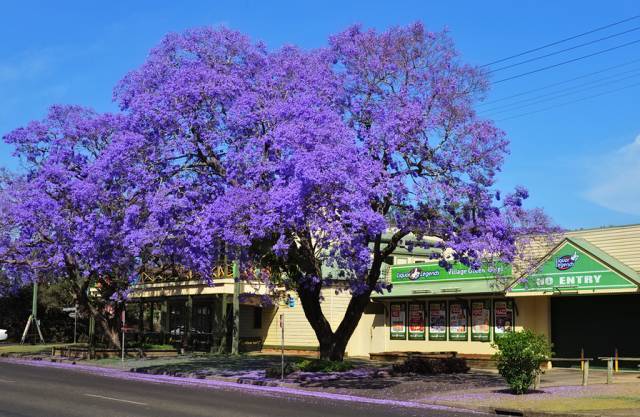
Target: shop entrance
<point>598,324</point>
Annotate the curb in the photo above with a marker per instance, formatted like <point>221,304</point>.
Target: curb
<point>517,412</point>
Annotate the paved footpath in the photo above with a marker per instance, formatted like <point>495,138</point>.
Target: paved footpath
<point>32,389</point>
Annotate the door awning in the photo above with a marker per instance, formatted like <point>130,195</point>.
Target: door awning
<point>576,266</point>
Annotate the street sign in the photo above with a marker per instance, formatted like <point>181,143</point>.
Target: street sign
<point>73,315</point>
<point>69,309</point>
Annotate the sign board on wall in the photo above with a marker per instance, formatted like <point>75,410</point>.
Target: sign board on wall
<point>481,320</point>
<point>458,320</point>
<point>503,316</point>
<point>570,268</point>
<point>416,321</point>
<point>406,274</point>
<point>398,314</point>
<point>438,320</point>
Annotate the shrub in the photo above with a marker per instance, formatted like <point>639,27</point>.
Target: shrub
<point>519,357</point>
<point>319,365</point>
<point>276,371</point>
<point>432,366</point>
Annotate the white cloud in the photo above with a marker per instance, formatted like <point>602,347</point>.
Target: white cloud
<point>616,183</point>
<point>28,65</point>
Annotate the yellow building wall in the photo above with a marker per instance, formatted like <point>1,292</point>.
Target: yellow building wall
<point>372,335</point>
<point>531,313</point>
<point>297,330</point>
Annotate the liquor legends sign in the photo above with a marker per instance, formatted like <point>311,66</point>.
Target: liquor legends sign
<point>406,274</point>
<point>570,268</point>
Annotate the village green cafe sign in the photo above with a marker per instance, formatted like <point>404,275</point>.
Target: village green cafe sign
<point>569,268</point>
<point>420,273</point>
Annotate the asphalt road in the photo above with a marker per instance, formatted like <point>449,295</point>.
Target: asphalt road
<point>27,391</point>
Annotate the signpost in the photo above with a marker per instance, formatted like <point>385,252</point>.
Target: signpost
<point>282,346</point>
<point>123,318</point>
<point>73,313</point>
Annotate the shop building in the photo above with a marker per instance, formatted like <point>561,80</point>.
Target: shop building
<point>582,294</point>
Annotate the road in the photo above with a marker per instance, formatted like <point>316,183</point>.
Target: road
<point>27,391</point>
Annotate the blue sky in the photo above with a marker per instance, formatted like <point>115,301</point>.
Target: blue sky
<point>580,159</point>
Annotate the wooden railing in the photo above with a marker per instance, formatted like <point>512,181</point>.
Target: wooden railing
<point>218,272</point>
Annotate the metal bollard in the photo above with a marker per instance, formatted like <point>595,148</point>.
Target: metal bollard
<point>585,373</point>
<point>609,370</point>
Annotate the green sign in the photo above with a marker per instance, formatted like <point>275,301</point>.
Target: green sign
<point>419,273</point>
<point>398,321</point>
<point>416,321</point>
<point>458,320</point>
<point>438,320</point>
<point>569,268</point>
<point>481,320</point>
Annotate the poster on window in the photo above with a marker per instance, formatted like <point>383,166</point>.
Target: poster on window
<point>503,316</point>
<point>416,321</point>
<point>398,314</point>
<point>481,320</point>
<point>458,321</point>
<point>438,320</point>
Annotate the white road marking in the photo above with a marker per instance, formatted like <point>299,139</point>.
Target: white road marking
<point>114,399</point>
<point>8,381</point>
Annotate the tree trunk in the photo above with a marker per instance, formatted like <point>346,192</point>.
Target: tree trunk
<point>333,344</point>
<point>110,329</point>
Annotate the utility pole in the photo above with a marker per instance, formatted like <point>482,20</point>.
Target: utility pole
<point>33,318</point>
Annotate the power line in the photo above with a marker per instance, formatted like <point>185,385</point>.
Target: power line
<point>570,102</point>
<point>486,103</point>
<point>526,61</point>
<point>564,92</point>
<point>561,41</point>
<point>568,61</point>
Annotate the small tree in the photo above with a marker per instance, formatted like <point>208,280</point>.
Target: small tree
<point>519,357</point>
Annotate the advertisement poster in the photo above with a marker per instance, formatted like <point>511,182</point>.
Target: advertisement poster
<point>503,315</point>
<point>458,320</point>
<point>481,320</point>
<point>398,312</point>
<point>416,321</point>
<point>438,320</point>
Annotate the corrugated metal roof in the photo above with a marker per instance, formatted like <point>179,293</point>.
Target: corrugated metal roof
<point>621,242</point>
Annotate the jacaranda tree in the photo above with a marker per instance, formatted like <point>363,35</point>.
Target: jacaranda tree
<point>64,216</point>
<point>300,159</point>
<point>287,160</point>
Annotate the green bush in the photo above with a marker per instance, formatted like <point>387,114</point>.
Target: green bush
<point>432,366</point>
<point>319,365</point>
<point>275,372</point>
<point>519,357</point>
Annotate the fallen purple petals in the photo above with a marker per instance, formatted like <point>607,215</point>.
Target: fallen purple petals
<point>211,383</point>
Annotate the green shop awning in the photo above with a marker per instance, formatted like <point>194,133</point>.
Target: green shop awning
<point>577,266</point>
<point>430,279</point>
